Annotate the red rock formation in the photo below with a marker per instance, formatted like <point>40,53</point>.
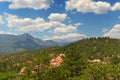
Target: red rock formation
<point>22,71</point>
<point>57,61</point>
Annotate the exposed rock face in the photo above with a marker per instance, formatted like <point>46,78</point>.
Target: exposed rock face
<point>22,71</point>
<point>57,61</point>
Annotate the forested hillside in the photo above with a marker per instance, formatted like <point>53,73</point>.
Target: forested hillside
<point>88,59</point>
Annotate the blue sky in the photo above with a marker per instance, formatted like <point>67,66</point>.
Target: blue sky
<point>61,20</point>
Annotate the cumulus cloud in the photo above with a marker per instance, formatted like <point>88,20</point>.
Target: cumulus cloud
<point>38,24</point>
<point>71,37</point>
<point>116,6</point>
<point>1,19</point>
<point>5,0</point>
<point>61,31</point>
<point>114,32</point>
<point>66,29</point>
<point>34,4</point>
<point>57,17</point>
<point>86,6</point>
<point>26,24</point>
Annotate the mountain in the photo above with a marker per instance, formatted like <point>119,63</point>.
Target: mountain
<point>88,59</point>
<point>16,43</point>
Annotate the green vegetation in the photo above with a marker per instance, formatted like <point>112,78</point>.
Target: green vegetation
<point>88,59</point>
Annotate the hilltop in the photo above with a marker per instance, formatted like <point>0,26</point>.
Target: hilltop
<point>88,59</point>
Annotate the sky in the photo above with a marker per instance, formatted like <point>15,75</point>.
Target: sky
<point>61,20</point>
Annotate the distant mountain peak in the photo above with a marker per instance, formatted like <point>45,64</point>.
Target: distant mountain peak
<point>26,35</point>
<point>16,43</point>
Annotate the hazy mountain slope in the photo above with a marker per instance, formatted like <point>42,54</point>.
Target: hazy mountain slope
<point>15,43</point>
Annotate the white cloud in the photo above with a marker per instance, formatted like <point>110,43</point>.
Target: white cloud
<point>116,6</point>
<point>61,31</point>
<point>5,0</point>
<point>34,4</point>
<point>1,19</point>
<point>86,6</point>
<point>26,24</point>
<point>3,32</point>
<point>67,29</point>
<point>78,24</point>
<point>38,24</point>
<point>114,32</point>
<point>57,17</point>
<point>71,37</point>
<point>119,17</point>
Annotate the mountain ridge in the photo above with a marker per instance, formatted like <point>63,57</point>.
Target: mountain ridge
<point>15,43</point>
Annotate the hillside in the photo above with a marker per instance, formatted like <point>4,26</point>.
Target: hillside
<point>88,59</point>
<point>16,43</point>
